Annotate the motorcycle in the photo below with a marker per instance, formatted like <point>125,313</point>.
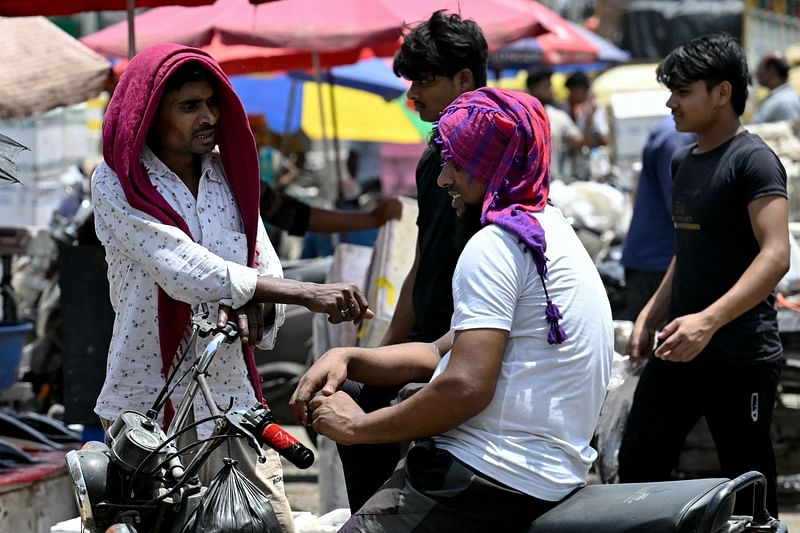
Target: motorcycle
<point>138,480</point>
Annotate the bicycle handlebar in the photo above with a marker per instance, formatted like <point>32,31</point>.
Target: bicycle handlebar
<point>260,422</point>
<point>286,445</point>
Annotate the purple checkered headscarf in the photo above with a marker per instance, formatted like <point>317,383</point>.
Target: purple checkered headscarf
<point>502,138</point>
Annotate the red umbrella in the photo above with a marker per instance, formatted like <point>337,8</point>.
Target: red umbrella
<point>347,28</point>
<point>50,8</point>
<point>192,26</point>
<point>332,26</point>
<point>237,59</point>
<point>25,8</point>
<point>15,8</point>
<point>244,59</point>
<point>502,21</point>
<point>312,25</point>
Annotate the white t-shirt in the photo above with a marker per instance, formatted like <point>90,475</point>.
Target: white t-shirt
<point>534,434</point>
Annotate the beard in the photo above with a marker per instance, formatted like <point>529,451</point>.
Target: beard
<point>467,225</point>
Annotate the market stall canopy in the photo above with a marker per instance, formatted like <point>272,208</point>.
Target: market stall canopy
<point>26,8</point>
<point>344,26</point>
<point>239,59</point>
<point>197,26</point>
<point>245,59</point>
<point>329,26</point>
<point>42,67</point>
<point>566,45</point>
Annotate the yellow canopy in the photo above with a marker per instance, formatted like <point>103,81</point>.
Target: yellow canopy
<point>625,78</point>
<point>360,116</point>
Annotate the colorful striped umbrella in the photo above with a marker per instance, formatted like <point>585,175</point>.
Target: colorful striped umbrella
<point>566,45</point>
<point>290,105</point>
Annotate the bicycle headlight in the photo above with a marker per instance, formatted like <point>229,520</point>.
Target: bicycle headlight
<point>89,470</point>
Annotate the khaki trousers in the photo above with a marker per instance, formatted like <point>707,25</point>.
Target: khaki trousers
<point>268,477</point>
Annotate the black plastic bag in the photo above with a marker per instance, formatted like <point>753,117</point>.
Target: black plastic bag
<point>233,504</point>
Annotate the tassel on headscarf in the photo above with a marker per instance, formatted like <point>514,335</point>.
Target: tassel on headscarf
<point>552,313</point>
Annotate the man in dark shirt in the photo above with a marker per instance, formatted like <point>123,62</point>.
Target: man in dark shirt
<point>443,57</point>
<point>719,354</point>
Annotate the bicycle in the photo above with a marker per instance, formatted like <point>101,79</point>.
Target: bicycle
<point>138,480</point>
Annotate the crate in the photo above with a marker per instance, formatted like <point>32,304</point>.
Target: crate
<point>12,340</point>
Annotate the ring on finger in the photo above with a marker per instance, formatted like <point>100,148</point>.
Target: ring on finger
<point>344,312</point>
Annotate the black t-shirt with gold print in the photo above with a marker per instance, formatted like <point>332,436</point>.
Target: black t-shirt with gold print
<point>715,243</point>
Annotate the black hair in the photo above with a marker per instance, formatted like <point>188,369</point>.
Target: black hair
<point>779,65</point>
<point>442,46</point>
<point>711,58</point>
<point>537,74</point>
<point>579,79</point>
<point>189,72</point>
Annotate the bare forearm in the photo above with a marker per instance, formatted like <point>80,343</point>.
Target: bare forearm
<point>280,290</point>
<point>438,407</point>
<point>327,221</point>
<point>753,286</point>
<point>392,365</point>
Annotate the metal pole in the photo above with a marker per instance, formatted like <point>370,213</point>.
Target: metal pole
<point>338,167</point>
<point>295,86</point>
<point>318,78</point>
<point>131,29</point>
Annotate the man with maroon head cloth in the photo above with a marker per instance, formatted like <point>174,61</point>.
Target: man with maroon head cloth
<point>176,208</point>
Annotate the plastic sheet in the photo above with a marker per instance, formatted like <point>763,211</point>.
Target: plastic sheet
<point>233,504</point>
<point>614,415</point>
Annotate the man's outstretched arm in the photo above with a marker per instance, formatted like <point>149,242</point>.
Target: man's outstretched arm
<point>460,392</point>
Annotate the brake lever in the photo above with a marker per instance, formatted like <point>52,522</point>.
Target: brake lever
<point>205,327</point>
<point>236,420</point>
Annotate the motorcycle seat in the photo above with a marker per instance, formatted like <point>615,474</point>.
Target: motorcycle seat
<point>671,506</point>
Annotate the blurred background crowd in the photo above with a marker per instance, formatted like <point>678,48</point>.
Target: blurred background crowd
<point>335,131</point>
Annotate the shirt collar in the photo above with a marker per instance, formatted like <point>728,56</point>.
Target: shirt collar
<point>155,166</point>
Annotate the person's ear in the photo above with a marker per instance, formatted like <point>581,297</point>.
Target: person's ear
<point>465,80</point>
<point>724,93</point>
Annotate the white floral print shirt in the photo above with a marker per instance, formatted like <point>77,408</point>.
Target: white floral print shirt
<point>144,254</point>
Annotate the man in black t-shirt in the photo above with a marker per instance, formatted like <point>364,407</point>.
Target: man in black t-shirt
<point>718,354</point>
<point>443,57</point>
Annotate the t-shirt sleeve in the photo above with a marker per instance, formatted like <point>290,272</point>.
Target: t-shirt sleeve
<point>487,281</point>
<point>284,211</point>
<point>762,174</point>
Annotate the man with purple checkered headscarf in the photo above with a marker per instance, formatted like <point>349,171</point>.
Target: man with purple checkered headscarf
<point>502,139</point>
<point>503,427</point>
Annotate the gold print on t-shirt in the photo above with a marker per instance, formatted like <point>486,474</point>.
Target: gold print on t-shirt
<point>681,217</point>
